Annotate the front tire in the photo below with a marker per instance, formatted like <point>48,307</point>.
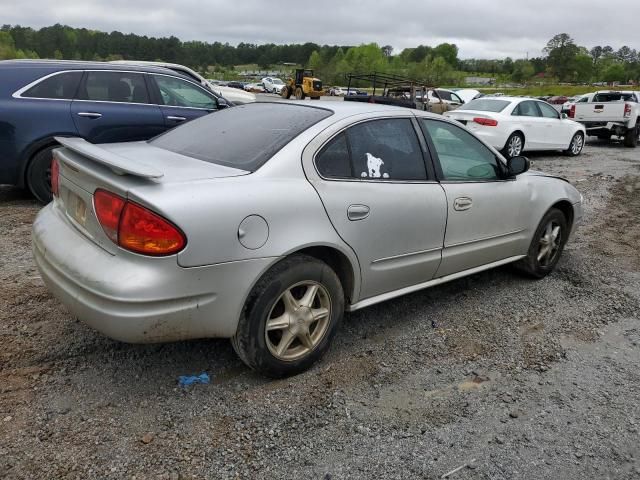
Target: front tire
<point>299,93</point>
<point>576,145</point>
<point>514,146</point>
<point>38,177</point>
<point>546,246</point>
<point>290,317</point>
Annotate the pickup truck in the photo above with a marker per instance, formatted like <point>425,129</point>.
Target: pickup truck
<point>609,113</point>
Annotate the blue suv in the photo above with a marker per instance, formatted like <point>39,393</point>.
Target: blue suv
<point>99,102</point>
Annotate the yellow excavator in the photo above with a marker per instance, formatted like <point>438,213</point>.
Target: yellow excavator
<point>303,85</point>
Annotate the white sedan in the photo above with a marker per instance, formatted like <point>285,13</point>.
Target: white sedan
<point>514,125</point>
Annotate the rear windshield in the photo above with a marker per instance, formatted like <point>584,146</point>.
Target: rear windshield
<point>614,97</point>
<point>485,105</point>
<point>242,137</point>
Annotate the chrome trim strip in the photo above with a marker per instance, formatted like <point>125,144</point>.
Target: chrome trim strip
<point>18,93</point>
<point>436,281</point>
<point>468,242</point>
<point>403,255</point>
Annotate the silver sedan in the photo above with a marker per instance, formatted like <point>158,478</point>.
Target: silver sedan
<point>267,238</point>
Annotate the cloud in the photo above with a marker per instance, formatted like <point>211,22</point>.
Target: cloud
<point>480,28</point>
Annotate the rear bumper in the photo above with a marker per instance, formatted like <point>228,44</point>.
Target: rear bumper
<point>139,299</point>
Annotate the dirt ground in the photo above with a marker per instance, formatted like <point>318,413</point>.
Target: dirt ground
<point>506,377</point>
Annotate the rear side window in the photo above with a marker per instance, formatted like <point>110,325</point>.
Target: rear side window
<point>334,160</point>
<point>126,87</point>
<point>243,137</point>
<point>62,86</point>
<point>527,109</point>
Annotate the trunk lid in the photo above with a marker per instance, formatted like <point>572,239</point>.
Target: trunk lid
<point>120,168</point>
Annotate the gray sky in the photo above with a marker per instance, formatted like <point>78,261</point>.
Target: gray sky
<point>480,28</point>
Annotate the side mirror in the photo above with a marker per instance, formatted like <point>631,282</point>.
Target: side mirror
<point>564,116</point>
<point>222,103</point>
<point>517,165</point>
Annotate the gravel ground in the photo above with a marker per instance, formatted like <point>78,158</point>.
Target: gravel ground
<point>503,376</point>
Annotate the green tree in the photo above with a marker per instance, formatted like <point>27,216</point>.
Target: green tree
<point>7,46</point>
<point>522,71</point>
<point>561,50</point>
<point>582,67</point>
<point>614,73</point>
<point>448,52</point>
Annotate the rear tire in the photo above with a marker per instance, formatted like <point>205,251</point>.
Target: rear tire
<point>38,178</point>
<point>631,137</point>
<point>546,246</point>
<point>302,320</point>
<point>576,145</point>
<point>514,145</point>
<point>286,93</point>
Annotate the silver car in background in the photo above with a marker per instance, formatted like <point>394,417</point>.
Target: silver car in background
<point>268,238</point>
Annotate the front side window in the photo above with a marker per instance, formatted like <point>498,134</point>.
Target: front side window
<point>462,156</point>
<point>62,86</point>
<point>126,87</point>
<point>376,150</point>
<point>176,92</point>
<point>455,98</point>
<point>548,111</point>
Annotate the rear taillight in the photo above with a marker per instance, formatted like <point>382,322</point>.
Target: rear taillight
<point>572,111</point>
<point>627,110</point>
<point>487,122</point>
<point>55,176</point>
<point>108,208</point>
<point>136,228</point>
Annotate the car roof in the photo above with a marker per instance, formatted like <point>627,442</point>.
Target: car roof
<point>346,108</point>
<point>55,65</point>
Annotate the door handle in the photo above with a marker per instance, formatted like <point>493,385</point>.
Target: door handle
<point>176,119</point>
<point>462,203</point>
<point>357,212</point>
<point>89,114</point>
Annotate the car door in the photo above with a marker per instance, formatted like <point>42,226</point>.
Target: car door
<point>374,185</point>
<point>557,133</point>
<point>114,106</point>
<point>531,123</point>
<point>181,100</point>
<point>485,221</point>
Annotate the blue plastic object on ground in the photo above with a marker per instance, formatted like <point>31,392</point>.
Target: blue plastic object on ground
<point>188,380</point>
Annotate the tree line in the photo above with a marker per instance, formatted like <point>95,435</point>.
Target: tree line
<point>563,59</point>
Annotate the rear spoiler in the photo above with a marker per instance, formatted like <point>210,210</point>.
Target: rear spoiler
<point>120,165</point>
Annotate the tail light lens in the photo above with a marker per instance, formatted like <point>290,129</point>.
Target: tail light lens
<point>627,110</point>
<point>108,208</point>
<point>572,111</point>
<point>136,228</point>
<point>55,176</point>
<point>487,122</point>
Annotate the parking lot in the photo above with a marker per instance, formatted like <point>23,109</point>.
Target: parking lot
<point>498,374</point>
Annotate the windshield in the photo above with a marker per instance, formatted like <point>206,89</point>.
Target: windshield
<point>277,81</point>
<point>485,105</point>
<point>222,137</point>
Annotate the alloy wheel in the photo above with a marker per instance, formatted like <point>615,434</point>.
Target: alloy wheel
<point>298,321</point>
<point>515,146</point>
<point>577,144</point>
<point>549,244</point>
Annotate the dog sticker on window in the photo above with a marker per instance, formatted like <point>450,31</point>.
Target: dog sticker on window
<point>374,164</point>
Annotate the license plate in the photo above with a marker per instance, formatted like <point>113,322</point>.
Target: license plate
<point>77,208</point>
